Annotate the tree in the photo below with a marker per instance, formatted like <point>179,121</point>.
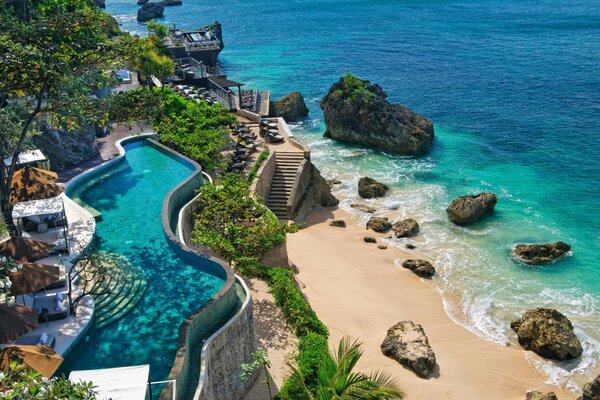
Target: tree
<point>53,55</point>
<point>158,33</point>
<point>19,382</point>
<point>150,63</point>
<point>337,381</point>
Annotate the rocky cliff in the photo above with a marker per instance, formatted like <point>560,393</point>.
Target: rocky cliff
<point>65,149</point>
<point>290,107</point>
<point>355,111</point>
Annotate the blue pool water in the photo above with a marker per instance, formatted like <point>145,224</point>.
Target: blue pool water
<point>513,89</point>
<point>130,199</point>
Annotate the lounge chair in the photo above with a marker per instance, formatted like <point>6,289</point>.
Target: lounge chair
<point>37,340</point>
<point>56,308</point>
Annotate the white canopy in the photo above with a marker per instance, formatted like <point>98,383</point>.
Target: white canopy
<point>24,209</point>
<point>126,383</point>
<point>26,157</point>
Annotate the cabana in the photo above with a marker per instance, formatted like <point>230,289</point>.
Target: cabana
<point>44,214</point>
<point>126,383</point>
<point>34,158</point>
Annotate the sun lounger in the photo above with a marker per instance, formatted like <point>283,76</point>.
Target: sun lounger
<point>37,340</point>
<point>57,308</point>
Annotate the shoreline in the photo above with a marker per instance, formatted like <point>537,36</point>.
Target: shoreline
<point>363,303</point>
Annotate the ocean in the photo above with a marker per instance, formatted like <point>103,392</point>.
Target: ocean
<point>513,89</point>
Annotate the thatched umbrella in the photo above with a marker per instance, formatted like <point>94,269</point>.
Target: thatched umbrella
<point>32,277</point>
<point>40,358</point>
<point>15,321</point>
<point>25,250</point>
<point>30,183</point>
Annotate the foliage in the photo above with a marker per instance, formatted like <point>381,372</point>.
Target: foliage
<point>7,266</point>
<point>261,158</point>
<point>337,381</point>
<point>19,382</point>
<point>150,63</point>
<point>356,88</point>
<point>134,105</point>
<point>195,129</point>
<point>259,360</point>
<point>233,223</point>
<point>158,32</point>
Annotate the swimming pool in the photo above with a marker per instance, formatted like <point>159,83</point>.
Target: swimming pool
<point>129,196</point>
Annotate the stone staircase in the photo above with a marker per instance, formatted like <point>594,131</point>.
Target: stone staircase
<point>117,288</point>
<point>287,163</point>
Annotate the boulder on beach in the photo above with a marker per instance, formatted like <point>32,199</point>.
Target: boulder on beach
<point>150,11</point>
<point>407,343</point>
<point>355,111</point>
<point>541,253</point>
<point>321,189</point>
<point>364,208</point>
<point>410,246</point>
<point>370,239</point>
<point>379,224</point>
<point>405,228</point>
<point>466,210</point>
<point>537,395</point>
<point>369,188</point>
<point>334,182</point>
<point>548,333</point>
<point>290,107</point>
<point>339,223</point>
<point>381,246</point>
<point>591,391</point>
<point>422,268</point>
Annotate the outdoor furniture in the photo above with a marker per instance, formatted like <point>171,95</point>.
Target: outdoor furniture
<point>36,340</point>
<point>31,183</point>
<point>51,209</point>
<point>57,308</point>
<point>15,321</point>
<point>32,278</point>
<point>40,358</point>
<point>23,249</point>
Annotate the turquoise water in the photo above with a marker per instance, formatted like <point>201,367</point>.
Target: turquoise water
<point>512,88</point>
<point>130,199</point>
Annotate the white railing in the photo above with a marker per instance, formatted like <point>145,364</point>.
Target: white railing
<point>172,384</point>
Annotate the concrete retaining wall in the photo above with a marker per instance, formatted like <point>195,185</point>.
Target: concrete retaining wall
<point>265,174</point>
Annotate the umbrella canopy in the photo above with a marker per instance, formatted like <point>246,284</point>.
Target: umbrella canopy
<point>15,321</point>
<point>32,277</point>
<point>24,249</point>
<point>40,358</point>
<point>30,183</point>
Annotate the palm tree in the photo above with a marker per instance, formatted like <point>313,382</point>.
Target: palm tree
<point>336,381</point>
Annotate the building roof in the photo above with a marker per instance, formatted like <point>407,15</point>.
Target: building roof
<point>126,383</point>
<point>224,82</point>
<point>26,157</point>
<point>24,209</point>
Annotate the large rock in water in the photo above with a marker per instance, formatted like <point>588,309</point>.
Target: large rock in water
<point>422,268</point>
<point>65,149</point>
<point>466,210</point>
<point>406,228</point>
<point>541,253</point>
<point>150,11</point>
<point>548,333</point>
<point>290,107</point>
<point>369,188</point>
<point>536,395</point>
<point>357,112</point>
<point>591,391</point>
<point>379,224</point>
<point>406,343</point>
<point>100,3</point>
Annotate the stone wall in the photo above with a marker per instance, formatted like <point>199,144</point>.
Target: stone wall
<point>262,184</point>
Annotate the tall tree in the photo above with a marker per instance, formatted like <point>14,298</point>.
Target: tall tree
<point>53,55</point>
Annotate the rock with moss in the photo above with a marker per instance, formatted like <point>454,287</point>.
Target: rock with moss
<point>379,224</point>
<point>358,112</point>
<point>541,253</point>
<point>466,210</point>
<point>406,228</point>
<point>537,395</point>
<point>548,333</point>
<point>422,268</point>
<point>369,188</point>
<point>290,107</point>
<point>591,391</point>
<point>407,343</point>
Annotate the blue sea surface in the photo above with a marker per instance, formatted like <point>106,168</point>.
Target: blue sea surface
<point>130,199</point>
<point>514,92</point>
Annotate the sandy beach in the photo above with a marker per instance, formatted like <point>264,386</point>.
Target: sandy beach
<point>357,290</point>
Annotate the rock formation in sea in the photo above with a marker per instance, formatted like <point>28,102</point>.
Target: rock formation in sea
<point>290,107</point>
<point>591,391</point>
<point>422,268</point>
<point>364,208</point>
<point>541,253</point>
<point>355,111</point>
<point>170,3</point>
<point>407,343</point>
<point>536,395</point>
<point>100,3</point>
<point>150,11</point>
<point>141,2</point>
<point>466,210</point>
<point>379,224</point>
<point>548,333</point>
<point>65,149</point>
<point>405,228</point>
<point>369,188</point>
<point>338,223</point>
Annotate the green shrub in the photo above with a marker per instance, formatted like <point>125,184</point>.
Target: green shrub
<point>261,158</point>
<point>356,88</point>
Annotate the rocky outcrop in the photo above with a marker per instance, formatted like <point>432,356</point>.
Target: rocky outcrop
<point>141,2</point>
<point>381,246</point>
<point>548,333</point>
<point>410,246</point>
<point>65,149</point>
<point>364,208</point>
<point>379,224</point>
<point>339,223</point>
<point>290,107</point>
<point>541,253</point>
<point>334,182</point>
<point>407,343</point>
<point>405,228</point>
<point>322,190</point>
<point>355,111</point>
<point>591,391</point>
<point>422,268</point>
<point>369,188</point>
<point>466,210</point>
<point>100,3</point>
<point>150,11</point>
<point>370,239</point>
<point>536,395</point>
<point>169,3</point>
